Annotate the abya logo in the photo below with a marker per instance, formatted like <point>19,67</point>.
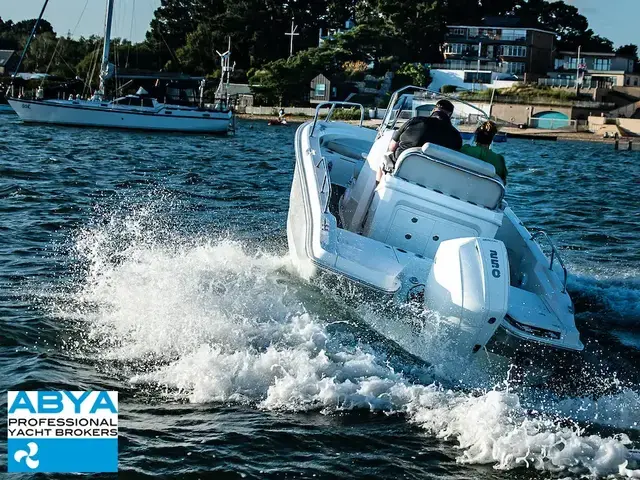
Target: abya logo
<point>28,456</point>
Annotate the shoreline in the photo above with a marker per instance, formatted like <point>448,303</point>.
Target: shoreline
<point>562,135</point>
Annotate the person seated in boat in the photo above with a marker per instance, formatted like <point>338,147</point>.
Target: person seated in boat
<point>436,128</point>
<point>482,149</point>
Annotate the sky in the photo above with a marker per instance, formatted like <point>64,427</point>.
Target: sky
<point>130,17</point>
<point>614,19</point>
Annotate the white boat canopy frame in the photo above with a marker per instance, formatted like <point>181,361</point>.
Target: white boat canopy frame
<point>393,112</point>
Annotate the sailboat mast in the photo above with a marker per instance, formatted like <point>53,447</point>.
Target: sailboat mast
<point>104,69</point>
<point>33,32</point>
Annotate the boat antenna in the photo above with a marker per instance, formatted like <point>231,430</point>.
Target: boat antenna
<point>104,69</point>
<point>292,34</point>
<point>33,33</point>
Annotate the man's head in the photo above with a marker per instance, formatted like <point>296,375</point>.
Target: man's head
<point>444,106</point>
<point>485,133</point>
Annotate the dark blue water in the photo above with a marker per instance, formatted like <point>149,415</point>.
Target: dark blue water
<point>156,265</point>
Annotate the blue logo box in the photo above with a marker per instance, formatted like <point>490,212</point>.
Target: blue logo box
<point>62,431</point>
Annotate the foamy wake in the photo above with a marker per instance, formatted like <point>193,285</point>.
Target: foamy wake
<point>209,322</point>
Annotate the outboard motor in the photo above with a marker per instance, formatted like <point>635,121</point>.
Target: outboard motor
<point>469,287</point>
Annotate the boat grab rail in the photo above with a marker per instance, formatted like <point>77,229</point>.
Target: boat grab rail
<point>555,254</point>
<point>326,182</point>
<point>333,106</point>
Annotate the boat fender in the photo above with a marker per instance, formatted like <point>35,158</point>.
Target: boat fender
<point>468,285</point>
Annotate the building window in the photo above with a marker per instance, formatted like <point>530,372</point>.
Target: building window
<point>477,77</point>
<point>602,64</point>
<point>320,90</point>
<point>513,35</point>
<point>459,32</point>
<point>455,48</point>
<point>489,33</point>
<point>514,51</point>
<point>517,68</point>
<point>572,63</point>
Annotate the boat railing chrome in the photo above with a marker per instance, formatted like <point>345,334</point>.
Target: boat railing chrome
<point>331,110</point>
<point>389,121</point>
<point>555,254</point>
<point>324,185</point>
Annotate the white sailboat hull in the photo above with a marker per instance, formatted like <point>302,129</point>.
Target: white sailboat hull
<point>100,114</point>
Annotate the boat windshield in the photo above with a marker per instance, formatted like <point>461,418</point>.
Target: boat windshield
<point>413,101</point>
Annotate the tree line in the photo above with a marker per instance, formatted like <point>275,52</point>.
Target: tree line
<point>389,35</point>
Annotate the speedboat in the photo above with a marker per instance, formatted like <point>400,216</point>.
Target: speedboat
<point>437,231</point>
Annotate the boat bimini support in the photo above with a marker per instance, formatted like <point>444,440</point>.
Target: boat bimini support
<point>333,106</point>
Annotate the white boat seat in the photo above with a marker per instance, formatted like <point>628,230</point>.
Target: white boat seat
<point>460,159</point>
<point>452,173</point>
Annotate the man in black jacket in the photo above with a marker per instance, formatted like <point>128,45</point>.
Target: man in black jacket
<point>436,128</point>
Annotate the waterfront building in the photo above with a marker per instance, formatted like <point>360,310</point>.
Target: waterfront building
<point>8,62</point>
<point>498,50</point>
<point>599,70</point>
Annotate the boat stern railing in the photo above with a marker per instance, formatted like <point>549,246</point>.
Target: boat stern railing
<point>331,110</point>
<point>555,254</point>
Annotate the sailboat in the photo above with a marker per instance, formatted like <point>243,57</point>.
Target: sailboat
<point>139,111</point>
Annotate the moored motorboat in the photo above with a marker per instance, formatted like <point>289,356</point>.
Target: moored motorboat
<point>436,230</point>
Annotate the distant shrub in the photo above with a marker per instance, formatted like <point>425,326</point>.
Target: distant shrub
<point>524,93</point>
<point>418,74</point>
<point>383,101</point>
<point>448,89</point>
<point>355,70</point>
<point>347,114</point>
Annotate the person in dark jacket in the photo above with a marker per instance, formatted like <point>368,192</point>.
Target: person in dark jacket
<point>436,128</point>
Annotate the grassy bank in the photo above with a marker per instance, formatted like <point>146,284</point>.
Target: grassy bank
<point>532,94</point>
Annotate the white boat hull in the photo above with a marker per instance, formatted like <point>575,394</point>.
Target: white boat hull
<point>476,266</point>
<point>97,114</point>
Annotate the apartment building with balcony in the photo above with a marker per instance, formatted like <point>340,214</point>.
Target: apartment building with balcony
<point>498,49</point>
<point>601,70</point>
